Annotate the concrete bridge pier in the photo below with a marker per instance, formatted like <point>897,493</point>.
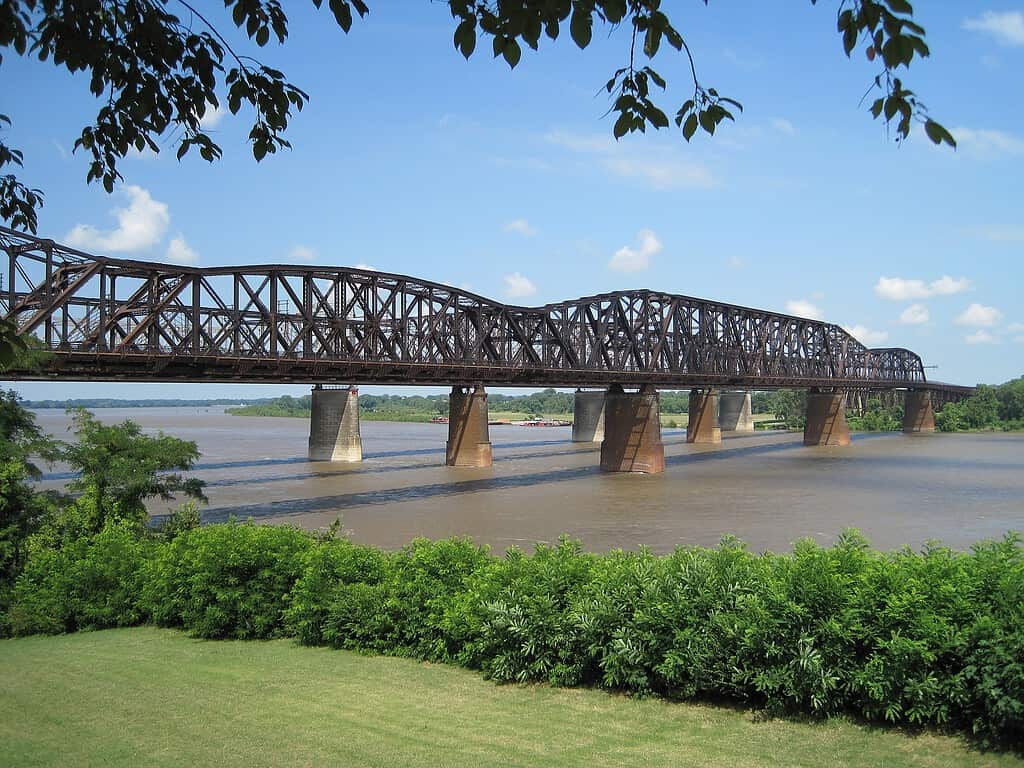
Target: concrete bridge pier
<point>334,425</point>
<point>918,415</point>
<point>632,431</point>
<point>826,419</point>
<point>588,417</point>
<point>469,443</point>
<point>702,426</point>
<point>734,412</point>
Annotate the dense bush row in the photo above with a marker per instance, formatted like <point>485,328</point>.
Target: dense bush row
<point>935,637</point>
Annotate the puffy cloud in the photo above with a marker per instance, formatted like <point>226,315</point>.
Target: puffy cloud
<point>988,141</point>
<point>804,308</point>
<point>367,267</point>
<point>638,259</point>
<point>1007,27</point>
<point>179,252</point>
<point>901,289</point>
<point>915,314</point>
<point>981,336</point>
<point>866,336</point>
<point>211,117</point>
<point>140,226</point>
<point>518,286</point>
<point>979,315</point>
<point>520,226</point>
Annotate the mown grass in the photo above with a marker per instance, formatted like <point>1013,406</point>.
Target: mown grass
<point>157,697</point>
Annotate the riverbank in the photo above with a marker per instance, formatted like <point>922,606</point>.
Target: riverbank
<point>157,697</point>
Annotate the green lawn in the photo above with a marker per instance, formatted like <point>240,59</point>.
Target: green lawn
<point>156,697</point>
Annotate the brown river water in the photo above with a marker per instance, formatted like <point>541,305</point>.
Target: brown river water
<point>767,489</point>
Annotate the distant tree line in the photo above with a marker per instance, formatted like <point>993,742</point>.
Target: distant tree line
<point>113,402</point>
<point>999,407</point>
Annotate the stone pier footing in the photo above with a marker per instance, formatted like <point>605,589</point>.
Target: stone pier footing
<point>469,443</point>
<point>918,415</point>
<point>632,431</point>
<point>588,417</point>
<point>734,412</point>
<point>826,419</point>
<point>702,426</point>
<point>334,425</point>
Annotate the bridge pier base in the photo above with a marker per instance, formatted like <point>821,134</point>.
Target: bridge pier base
<point>918,415</point>
<point>469,443</point>
<point>702,426</point>
<point>334,425</point>
<point>588,417</point>
<point>734,412</point>
<point>632,431</point>
<point>826,419</point>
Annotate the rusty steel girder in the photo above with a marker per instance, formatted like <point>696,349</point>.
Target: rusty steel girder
<point>116,319</point>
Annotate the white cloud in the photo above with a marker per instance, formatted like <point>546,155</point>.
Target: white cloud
<point>302,254</point>
<point>662,173</point>
<point>179,252</point>
<point>661,170</point>
<point>637,259</point>
<point>783,126</point>
<point>1015,327</point>
<point>988,141</point>
<point>64,155</point>
<point>367,267</point>
<point>1000,234</point>
<point>139,226</point>
<point>735,262</point>
<point>915,314</point>
<point>212,117</point>
<point>981,336</point>
<point>518,287</point>
<point>900,289</point>
<point>520,226</point>
<point>979,315</point>
<point>866,336</point>
<point>1007,28</point>
<point>804,308</point>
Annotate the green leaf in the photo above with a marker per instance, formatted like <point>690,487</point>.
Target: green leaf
<point>658,118</point>
<point>938,134</point>
<point>581,27</point>
<point>622,125</point>
<point>465,37</point>
<point>690,126</point>
<point>512,53</point>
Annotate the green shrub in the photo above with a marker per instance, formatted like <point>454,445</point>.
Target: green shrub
<point>328,570</point>
<point>513,621</point>
<point>934,637</point>
<point>226,581</point>
<point>91,583</point>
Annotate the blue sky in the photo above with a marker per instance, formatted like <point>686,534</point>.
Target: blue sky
<point>411,160</point>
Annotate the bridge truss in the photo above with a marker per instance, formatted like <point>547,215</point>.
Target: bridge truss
<point>115,319</point>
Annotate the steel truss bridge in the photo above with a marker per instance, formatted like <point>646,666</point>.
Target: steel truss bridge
<point>114,319</point>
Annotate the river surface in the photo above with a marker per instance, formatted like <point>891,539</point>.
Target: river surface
<point>767,489</point>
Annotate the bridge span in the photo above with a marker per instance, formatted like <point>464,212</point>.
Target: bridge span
<point>123,320</point>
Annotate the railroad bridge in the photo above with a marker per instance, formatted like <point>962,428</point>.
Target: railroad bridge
<point>122,320</point>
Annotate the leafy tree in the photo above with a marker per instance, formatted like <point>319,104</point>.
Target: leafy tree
<point>790,406</point>
<point>22,508</point>
<point>119,468</point>
<point>1011,400</point>
<point>157,73</point>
